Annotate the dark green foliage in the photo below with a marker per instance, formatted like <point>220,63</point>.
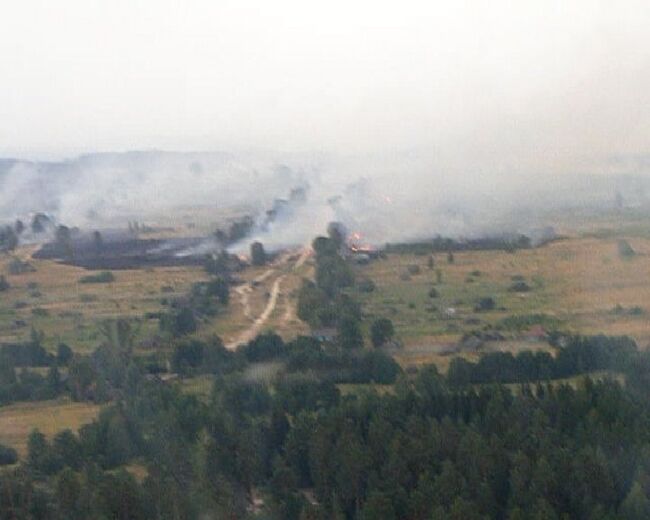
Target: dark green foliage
<point>187,356</point>
<point>102,277</point>
<point>580,355</point>
<point>8,238</point>
<point>29,354</point>
<point>220,289</point>
<point>301,393</point>
<point>63,354</point>
<point>413,269</point>
<point>381,332</point>
<point>366,285</point>
<point>349,334</point>
<point>436,447</point>
<point>333,273</point>
<point>179,322</point>
<point>18,266</point>
<point>239,229</point>
<point>258,255</point>
<point>7,455</point>
<point>264,347</point>
<point>39,223</point>
<point>519,286</point>
<point>337,233</point>
<point>485,304</point>
<point>625,249</point>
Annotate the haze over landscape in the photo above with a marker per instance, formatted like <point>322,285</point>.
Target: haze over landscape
<point>293,260</point>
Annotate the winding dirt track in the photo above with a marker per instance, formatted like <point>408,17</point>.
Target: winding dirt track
<point>244,292</point>
<point>259,322</point>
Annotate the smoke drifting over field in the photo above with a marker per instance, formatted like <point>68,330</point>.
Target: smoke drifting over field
<point>429,117</point>
<point>292,197</point>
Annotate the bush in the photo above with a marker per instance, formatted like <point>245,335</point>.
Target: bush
<point>103,277</point>
<point>63,354</point>
<point>625,249</point>
<point>17,266</point>
<point>519,286</point>
<point>4,284</point>
<point>7,455</point>
<point>366,285</point>
<point>179,323</point>
<point>381,331</point>
<point>485,304</point>
<point>264,347</point>
<point>413,269</point>
<point>258,255</point>
<point>433,293</point>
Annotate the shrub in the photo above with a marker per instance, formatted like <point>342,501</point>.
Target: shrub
<point>103,277</point>
<point>413,269</point>
<point>519,286</point>
<point>4,284</point>
<point>17,266</point>
<point>381,331</point>
<point>485,304</point>
<point>433,293</point>
<point>625,249</point>
<point>7,455</point>
<point>366,285</point>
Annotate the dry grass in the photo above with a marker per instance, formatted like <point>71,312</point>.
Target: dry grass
<point>50,417</point>
<point>579,281</point>
<point>72,310</point>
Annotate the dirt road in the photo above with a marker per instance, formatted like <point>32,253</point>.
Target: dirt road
<point>244,292</point>
<point>259,322</point>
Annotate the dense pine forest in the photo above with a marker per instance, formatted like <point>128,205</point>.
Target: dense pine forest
<point>299,448</point>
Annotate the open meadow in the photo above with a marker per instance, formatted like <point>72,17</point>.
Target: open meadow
<point>580,284</point>
<point>53,300</point>
<point>50,417</point>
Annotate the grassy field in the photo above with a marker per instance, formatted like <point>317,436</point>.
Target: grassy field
<point>578,282</point>
<point>50,417</point>
<point>52,300</point>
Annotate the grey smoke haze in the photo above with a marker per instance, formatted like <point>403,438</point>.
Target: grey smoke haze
<point>460,113</point>
<point>383,197</point>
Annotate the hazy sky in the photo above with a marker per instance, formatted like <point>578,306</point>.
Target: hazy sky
<point>505,86</point>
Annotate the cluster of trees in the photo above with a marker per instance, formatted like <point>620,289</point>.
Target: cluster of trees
<point>205,299</point>
<point>575,355</point>
<point>8,238</point>
<point>323,303</point>
<point>300,356</point>
<point>431,448</point>
<point>28,385</point>
<point>443,244</point>
<point>258,254</point>
<point>18,380</point>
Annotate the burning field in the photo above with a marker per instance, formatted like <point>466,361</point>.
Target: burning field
<point>124,251</point>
